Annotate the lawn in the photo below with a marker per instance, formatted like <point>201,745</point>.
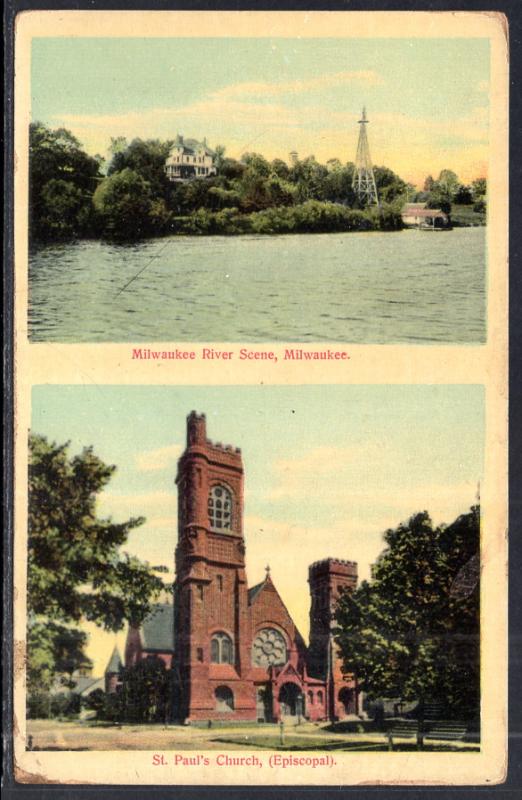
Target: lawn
<point>73,735</point>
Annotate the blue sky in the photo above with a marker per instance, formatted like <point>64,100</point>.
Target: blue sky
<point>328,468</point>
<point>427,99</point>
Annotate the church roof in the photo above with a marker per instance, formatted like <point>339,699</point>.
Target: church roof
<point>115,662</point>
<point>254,591</point>
<point>157,630</point>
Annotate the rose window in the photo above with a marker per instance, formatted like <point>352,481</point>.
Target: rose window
<point>269,648</point>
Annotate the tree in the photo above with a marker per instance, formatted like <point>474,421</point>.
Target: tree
<point>413,631</point>
<point>479,190</point>
<point>127,208</point>
<point>389,185</point>
<point>144,157</point>
<point>463,195</point>
<point>147,690</point>
<point>62,180</point>
<point>219,157</point>
<point>75,568</point>
<point>448,183</point>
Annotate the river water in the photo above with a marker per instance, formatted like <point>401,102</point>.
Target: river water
<point>405,286</point>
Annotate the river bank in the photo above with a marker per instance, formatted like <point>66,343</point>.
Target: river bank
<point>306,218</point>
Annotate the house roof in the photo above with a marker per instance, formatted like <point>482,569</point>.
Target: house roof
<point>413,206</point>
<point>191,146</point>
<point>83,684</point>
<point>88,685</point>
<point>423,212</point>
<point>157,630</point>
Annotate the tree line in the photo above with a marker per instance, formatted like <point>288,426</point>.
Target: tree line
<point>74,195</point>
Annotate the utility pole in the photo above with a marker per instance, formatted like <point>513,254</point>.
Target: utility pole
<point>363,182</point>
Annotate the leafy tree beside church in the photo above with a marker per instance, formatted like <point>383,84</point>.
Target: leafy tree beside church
<point>76,570</point>
<point>412,632</point>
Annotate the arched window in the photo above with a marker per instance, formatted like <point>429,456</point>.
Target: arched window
<point>224,699</point>
<point>220,509</point>
<point>319,696</point>
<point>311,698</point>
<point>221,649</point>
<point>269,647</point>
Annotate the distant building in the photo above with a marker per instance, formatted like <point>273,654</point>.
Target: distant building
<point>417,215</point>
<point>81,682</point>
<point>189,159</point>
<point>293,157</point>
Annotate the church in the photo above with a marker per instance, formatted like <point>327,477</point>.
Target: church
<point>235,650</point>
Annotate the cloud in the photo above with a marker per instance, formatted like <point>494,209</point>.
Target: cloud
<point>153,505</point>
<point>272,89</point>
<point>245,112</point>
<point>160,458</point>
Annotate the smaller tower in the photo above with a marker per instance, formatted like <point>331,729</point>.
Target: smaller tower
<point>113,671</point>
<point>328,579</point>
<point>363,182</point>
<point>293,157</point>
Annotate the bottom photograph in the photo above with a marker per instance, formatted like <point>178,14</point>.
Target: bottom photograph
<point>254,568</point>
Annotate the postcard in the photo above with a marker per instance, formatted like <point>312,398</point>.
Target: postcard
<point>261,414</point>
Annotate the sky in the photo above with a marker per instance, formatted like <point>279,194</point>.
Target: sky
<point>427,99</point>
<point>327,468</point>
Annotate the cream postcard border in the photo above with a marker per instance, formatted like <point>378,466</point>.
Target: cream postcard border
<point>112,364</point>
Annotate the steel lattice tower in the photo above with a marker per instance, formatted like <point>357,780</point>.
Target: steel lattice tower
<point>363,178</point>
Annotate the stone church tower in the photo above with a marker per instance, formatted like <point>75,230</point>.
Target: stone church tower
<point>211,598</point>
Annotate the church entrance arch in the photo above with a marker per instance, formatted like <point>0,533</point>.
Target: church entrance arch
<point>291,700</point>
<point>347,701</point>
<point>264,703</point>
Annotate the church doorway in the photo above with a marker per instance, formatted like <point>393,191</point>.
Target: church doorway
<point>291,700</point>
<point>347,700</point>
<point>264,704</point>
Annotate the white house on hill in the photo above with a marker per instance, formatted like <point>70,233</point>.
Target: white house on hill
<point>189,159</point>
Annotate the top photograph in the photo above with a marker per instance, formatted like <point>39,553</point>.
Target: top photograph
<point>258,189</point>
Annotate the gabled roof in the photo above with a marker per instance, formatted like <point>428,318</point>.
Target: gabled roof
<point>424,212</point>
<point>115,662</point>
<point>157,630</point>
<point>414,206</point>
<point>191,146</point>
<point>268,584</point>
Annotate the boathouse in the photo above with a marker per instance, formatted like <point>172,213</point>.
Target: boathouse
<point>418,215</point>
